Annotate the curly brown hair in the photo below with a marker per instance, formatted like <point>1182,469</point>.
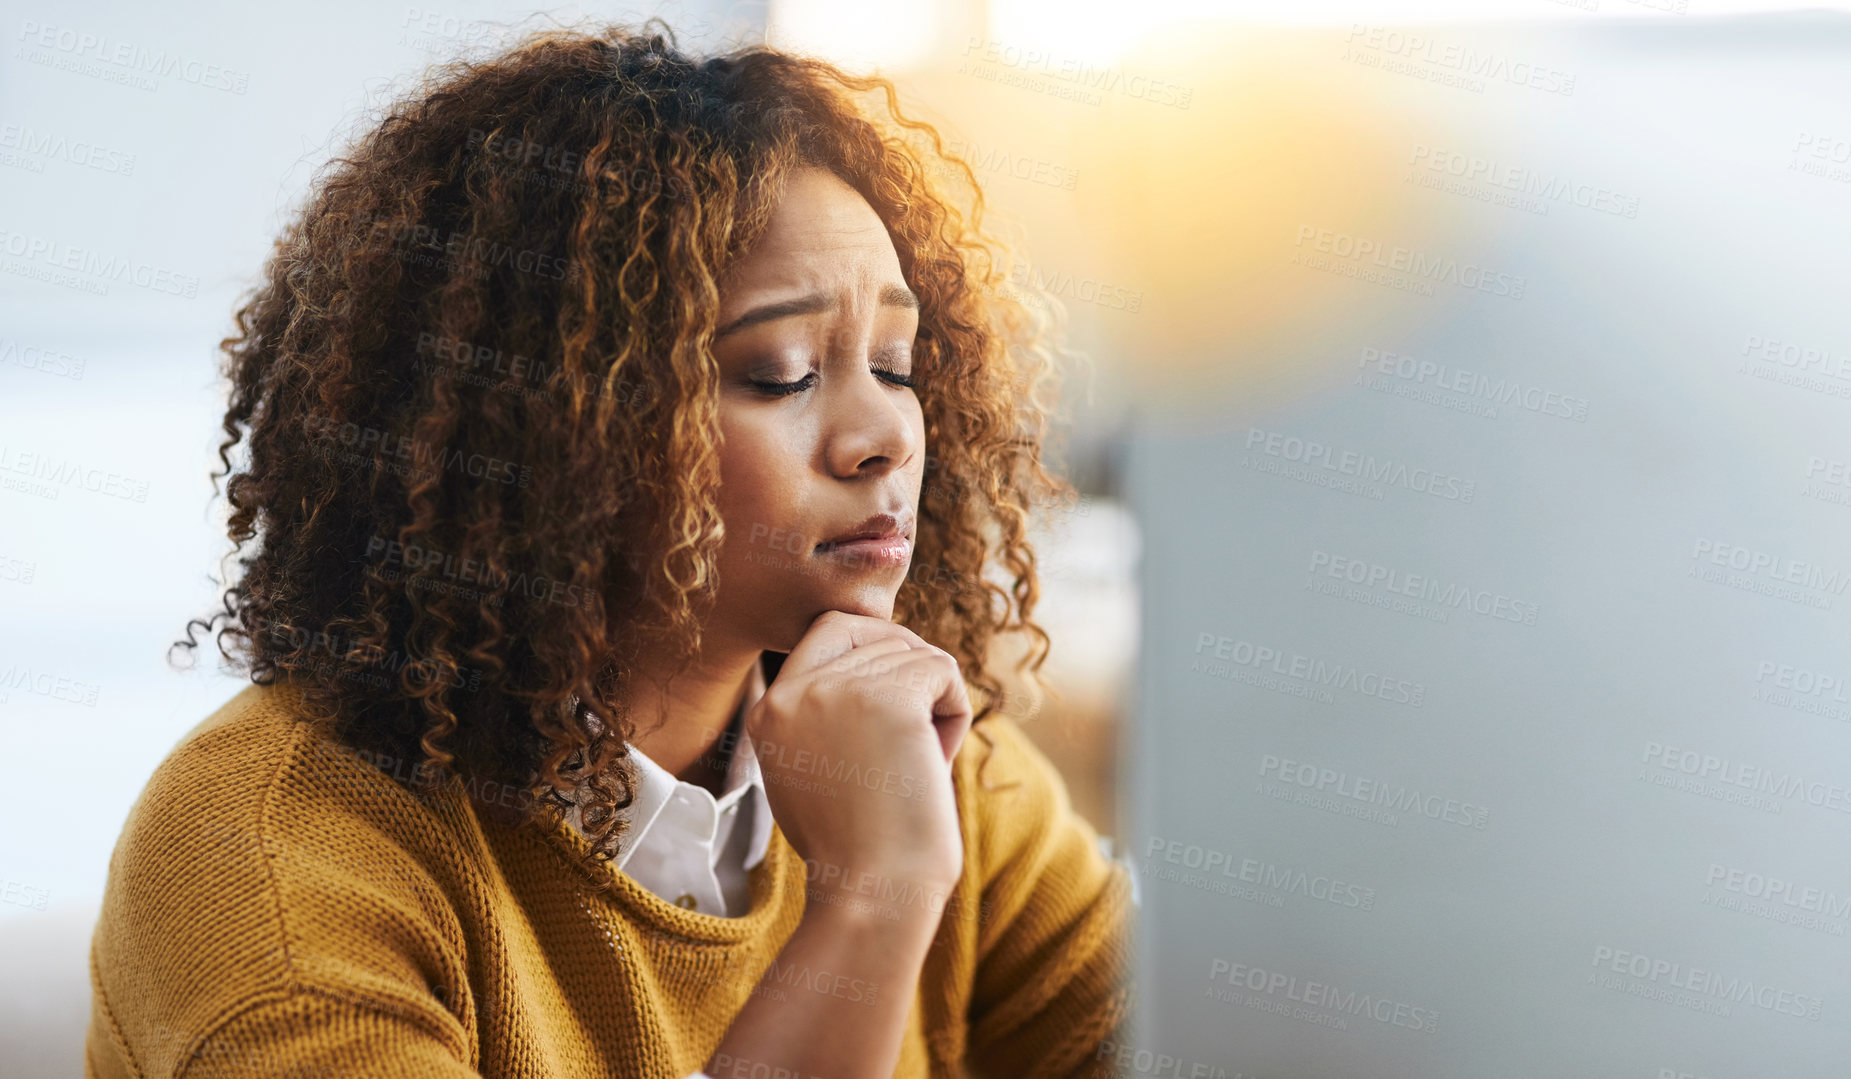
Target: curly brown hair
<point>479,410</point>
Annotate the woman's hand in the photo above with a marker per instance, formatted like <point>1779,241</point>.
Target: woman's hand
<point>855,737</point>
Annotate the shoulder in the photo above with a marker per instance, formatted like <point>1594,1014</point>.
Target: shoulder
<point>252,779</point>
<point>1016,806</point>
<point>998,756</point>
<point>263,861</point>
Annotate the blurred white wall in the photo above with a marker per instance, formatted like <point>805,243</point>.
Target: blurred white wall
<point>1492,712</point>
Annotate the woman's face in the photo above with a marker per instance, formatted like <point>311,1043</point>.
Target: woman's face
<point>819,430</point>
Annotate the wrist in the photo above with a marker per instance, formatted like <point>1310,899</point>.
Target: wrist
<point>887,895</point>
<point>876,922</point>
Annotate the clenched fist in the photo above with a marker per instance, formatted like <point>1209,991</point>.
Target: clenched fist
<point>855,738</point>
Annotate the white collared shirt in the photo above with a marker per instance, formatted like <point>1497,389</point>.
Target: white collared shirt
<point>689,847</point>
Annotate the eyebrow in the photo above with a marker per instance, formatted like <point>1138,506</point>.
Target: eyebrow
<point>890,296</point>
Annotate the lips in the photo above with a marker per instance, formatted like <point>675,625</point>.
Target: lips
<point>878,527</point>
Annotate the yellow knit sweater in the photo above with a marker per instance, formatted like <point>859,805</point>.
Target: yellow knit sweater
<point>279,906</point>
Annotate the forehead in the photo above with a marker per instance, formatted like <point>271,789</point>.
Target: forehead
<point>822,232</point>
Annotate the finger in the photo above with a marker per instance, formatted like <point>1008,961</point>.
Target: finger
<point>937,673</point>
<point>835,632</point>
<point>873,659</point>
<point>952,717</point>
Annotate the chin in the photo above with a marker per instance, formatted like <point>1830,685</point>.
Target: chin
<point>795,612</point>
<point>872,602</point>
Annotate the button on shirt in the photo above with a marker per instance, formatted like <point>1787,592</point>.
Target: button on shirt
<point>689,847</point>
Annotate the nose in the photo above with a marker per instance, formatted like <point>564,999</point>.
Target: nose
<point>868,430</point>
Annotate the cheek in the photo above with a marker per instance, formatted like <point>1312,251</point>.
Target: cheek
<point>924,451</point>
<point>759,477</point>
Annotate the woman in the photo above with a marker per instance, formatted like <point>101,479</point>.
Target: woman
<point>619,430</point>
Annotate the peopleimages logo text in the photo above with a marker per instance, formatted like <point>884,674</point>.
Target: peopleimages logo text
<point>1387,471</point>
<point>1707,983</point>
<point>1412,261</point>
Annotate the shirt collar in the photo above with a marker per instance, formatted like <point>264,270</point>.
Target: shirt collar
<point>657,784</point>
<point>744,768</point>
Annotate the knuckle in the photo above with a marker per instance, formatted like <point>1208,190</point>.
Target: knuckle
<point>809,695</point>
<point>776,702</point>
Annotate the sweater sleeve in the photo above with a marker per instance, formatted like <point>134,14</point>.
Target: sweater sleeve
<point>313,1035</point>
<point>1054,950</point>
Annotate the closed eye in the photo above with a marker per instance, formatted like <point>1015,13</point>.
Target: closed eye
<point>785,389</point>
